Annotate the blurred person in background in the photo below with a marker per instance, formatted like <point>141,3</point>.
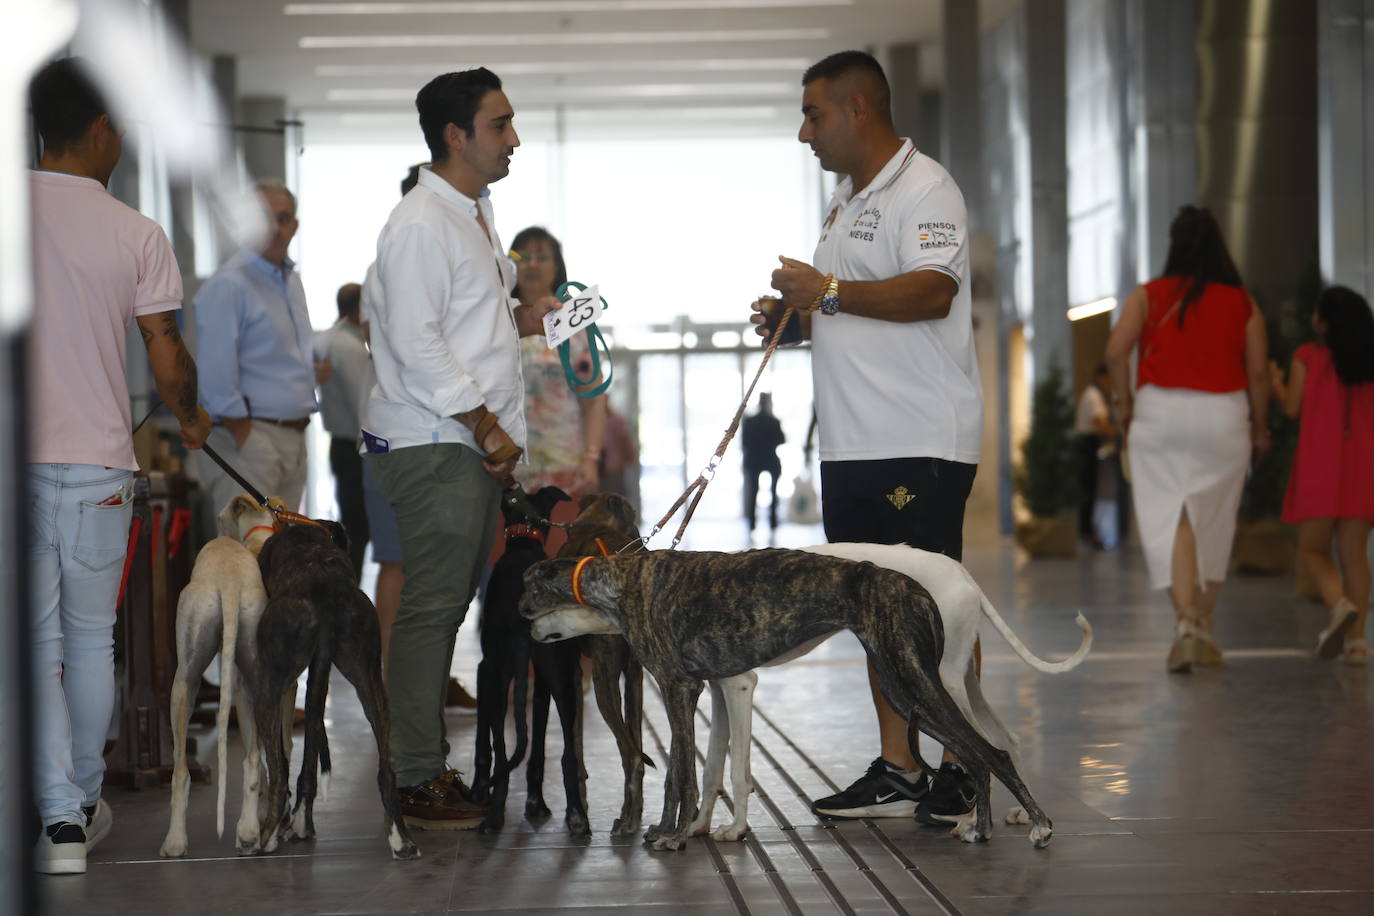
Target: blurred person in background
<point>760,435</point>
<point>565,431</point>
<point>1331,486</point>
<point>1196,415</point>
<point>341,399</point>
<point>255,348</point>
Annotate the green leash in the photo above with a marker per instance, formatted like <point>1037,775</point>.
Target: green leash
<point>594,340</point>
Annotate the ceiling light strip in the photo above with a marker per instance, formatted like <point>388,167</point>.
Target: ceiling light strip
<point>561,38</point>
<point>563,67</point>
<point>512,7</point>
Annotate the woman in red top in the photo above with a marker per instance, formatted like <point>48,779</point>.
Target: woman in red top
<point>1197,412</point>
<point>1331,487</point>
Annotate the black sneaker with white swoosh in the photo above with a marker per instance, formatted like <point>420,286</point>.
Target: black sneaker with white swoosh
<point>885,790</point>
<point>951,796</point>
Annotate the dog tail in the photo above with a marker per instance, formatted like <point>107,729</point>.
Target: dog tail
<point>1029,657</point>
<point>520,710</point>
<point>229,605</point>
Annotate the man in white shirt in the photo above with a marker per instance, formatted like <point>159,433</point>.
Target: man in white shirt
<point>898,400</point>
<point>444,425</point>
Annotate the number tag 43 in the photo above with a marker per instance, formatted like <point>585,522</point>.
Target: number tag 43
<point>582,310</point>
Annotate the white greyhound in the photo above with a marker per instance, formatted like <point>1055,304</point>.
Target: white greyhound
<point>218,611</point>
<point>961,603</point>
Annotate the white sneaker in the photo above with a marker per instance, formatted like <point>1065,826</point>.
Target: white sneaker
<point>61,850</point>
<point>99,820</point>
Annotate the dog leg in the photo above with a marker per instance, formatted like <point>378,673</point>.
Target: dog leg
<point>738,694</point>
<point>487,726</point>
<point>267,704</point>
<point>363,669</point>
<point>680,782</point>
<point>492,705</point>
<point>316,693</point>
<point>246,834</point>
<point>567,698</point>
<point>634,729</point>
<point>534,769</point>
<point>713,772</point>
<point>174,846</point>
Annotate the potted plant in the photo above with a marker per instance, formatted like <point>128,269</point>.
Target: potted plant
<point>1047,476</point>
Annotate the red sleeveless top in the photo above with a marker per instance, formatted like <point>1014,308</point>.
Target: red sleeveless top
<point>1208,352</point>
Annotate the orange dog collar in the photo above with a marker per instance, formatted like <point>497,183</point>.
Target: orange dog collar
<point>577,580</point>
<point>270,528</point>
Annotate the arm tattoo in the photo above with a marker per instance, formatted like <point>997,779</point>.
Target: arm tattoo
<point>188,391</point>
<point>147,334</point>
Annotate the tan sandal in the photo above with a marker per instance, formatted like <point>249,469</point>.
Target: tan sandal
<point>1331,639</point>
<point>1356,652</point>
<point>1187,649</point>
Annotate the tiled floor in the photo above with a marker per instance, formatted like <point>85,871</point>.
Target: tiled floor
<point>1243,790</point>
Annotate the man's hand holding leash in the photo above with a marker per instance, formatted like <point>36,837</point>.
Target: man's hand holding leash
<point>501,451</point>
<point>194,434</point>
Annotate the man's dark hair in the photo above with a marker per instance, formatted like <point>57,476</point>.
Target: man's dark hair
<point>412,178</point>
<point>64,103</point>
<point>844,63</point>
<point>349,299</point>
<point>452,98</point>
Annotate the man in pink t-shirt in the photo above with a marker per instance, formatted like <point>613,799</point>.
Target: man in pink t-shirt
<point>98,266</point>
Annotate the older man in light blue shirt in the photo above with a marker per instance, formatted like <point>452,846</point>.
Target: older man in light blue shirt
<point>254,346</point>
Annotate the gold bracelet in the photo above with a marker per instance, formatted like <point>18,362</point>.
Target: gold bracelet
<point>831,288</point>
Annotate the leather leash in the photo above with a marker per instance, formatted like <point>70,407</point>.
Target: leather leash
<point>708,473</point>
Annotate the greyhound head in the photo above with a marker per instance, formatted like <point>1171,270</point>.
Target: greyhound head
<point>242,518</point>
<point>552,608</point>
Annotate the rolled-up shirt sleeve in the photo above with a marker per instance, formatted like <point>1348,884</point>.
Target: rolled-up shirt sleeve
<point>414,271</point>
<point>219,308</point>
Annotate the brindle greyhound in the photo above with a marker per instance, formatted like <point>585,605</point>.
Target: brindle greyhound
<point>317,617</point>
<point>696,616</point>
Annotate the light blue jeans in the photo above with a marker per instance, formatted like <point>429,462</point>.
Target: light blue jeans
<point>76,557</point>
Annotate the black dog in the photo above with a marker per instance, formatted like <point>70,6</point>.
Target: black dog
<point>317,617</point>
<point>506,656</point>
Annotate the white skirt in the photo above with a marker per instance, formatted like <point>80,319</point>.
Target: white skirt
<point>1188,449</point>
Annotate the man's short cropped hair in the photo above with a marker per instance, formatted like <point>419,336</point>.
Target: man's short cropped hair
<point>64,103</point>
<point>452,98</point>
<point>857,63</point>
<point>266,186</point>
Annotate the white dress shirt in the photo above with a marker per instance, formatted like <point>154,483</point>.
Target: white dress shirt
<point>442,330</point>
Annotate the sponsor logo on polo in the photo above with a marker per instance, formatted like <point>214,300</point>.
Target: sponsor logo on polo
<point>937,235</point>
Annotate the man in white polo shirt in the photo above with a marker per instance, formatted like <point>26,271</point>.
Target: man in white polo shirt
<point>898,400</point>
<point>444,424</point>
<point>98,266</point>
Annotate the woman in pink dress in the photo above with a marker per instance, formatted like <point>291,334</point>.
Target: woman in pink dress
<point>1331,487</point>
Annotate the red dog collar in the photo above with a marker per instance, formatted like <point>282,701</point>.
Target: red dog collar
<point>577,580</point>
<point>270,528</point>
<point>524,530</point>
